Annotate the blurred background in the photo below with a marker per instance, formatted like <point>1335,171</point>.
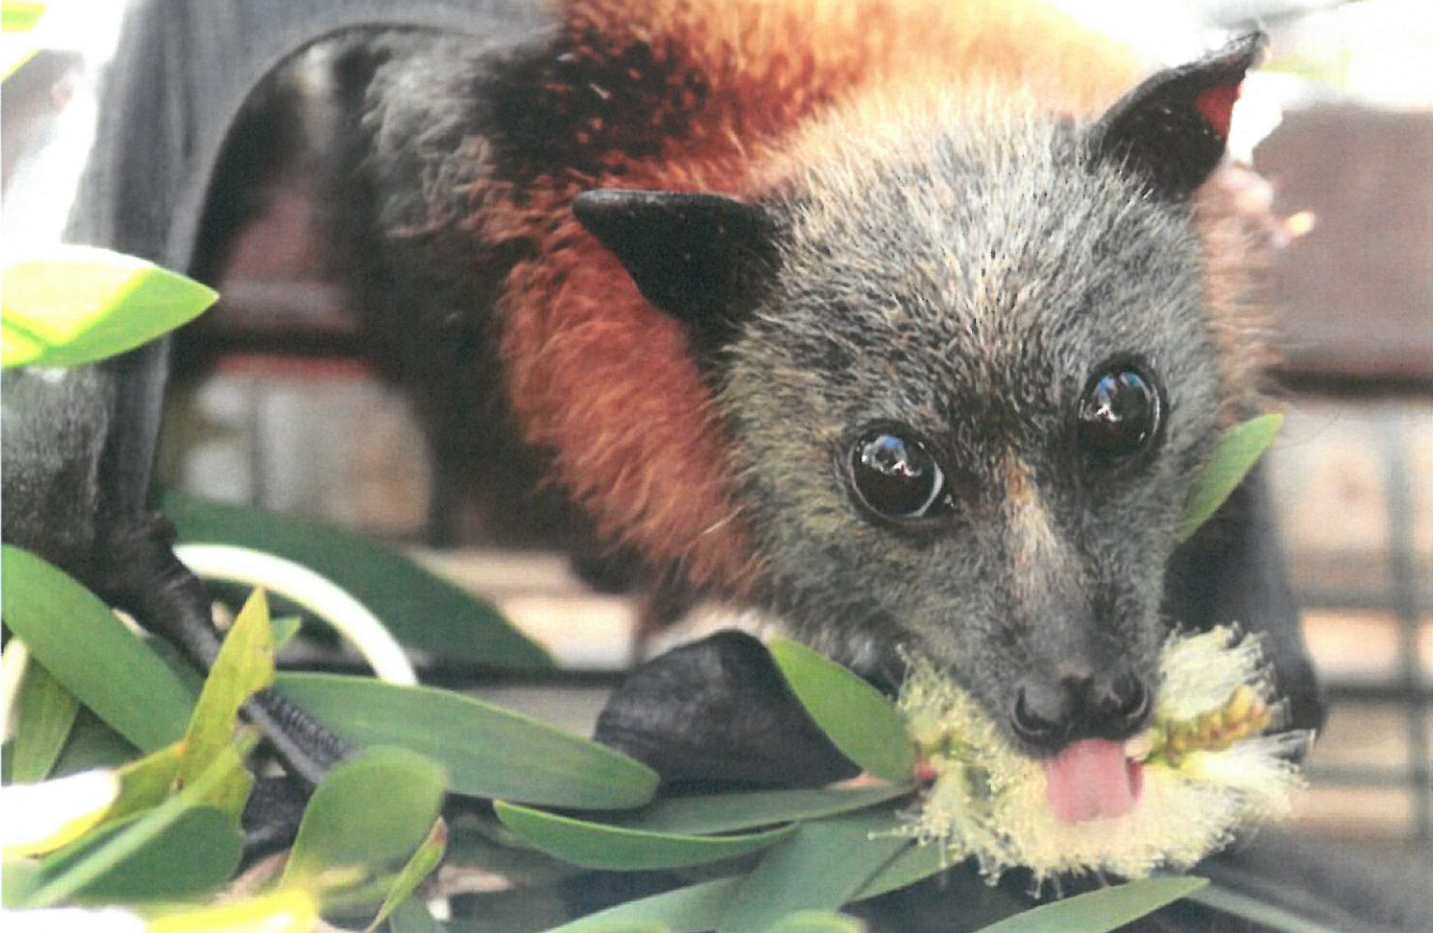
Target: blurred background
<point>275,404</point>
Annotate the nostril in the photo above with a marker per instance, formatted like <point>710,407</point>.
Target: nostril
<point>1032,721</point>
<point>1127,704</point>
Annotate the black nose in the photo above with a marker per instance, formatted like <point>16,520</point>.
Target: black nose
<point>1053,711</point>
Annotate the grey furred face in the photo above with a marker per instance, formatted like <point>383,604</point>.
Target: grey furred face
<point>965,294</point>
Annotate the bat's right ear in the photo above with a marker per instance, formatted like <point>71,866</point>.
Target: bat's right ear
<point>1171,131</point>
<point>698,257</point>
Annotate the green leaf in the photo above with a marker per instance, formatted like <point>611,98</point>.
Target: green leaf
<point>195,854</point>
<point>420,866</point>
<point>865,726</point>
<point>1100,911</point>
<point>1234,456</point>
<point>1258,912</point>
<point>286,629</point>
<point>488,751</point>
<point>818,921</point>
<point>692,909</point>
<point>914,863</point>
<point>721,813</point>
<point>371,811</point>
<point>413,916</point>
<point>85,304</point>
<point>128,841</point>
<point>819,868</point>
<point>595,845</point>
<point>147,782</point>
<point>422,610</point>
<point>93,745</point>
<point>46,713</point>
<point>105,665</point>
<point>245,666</point>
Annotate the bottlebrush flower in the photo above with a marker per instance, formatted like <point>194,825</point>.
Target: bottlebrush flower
<point>1207,765</point>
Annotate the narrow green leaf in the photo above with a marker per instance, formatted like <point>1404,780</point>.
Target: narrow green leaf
<point>147,782</point>
<point>286,629</point>
<point>125,843</point>
<point>818,921</point>
<point>865,726</point>
<point>93,745</point>
<point>413,916</point>
<point>819,868</point>
<point>1100,911</point>
<point>45,714</point>
<point>422,610</point>
<point>914,863</point>
<point>245,666</point>
<point>723,813</point>
<point>85,304</point>
<point>488,751</point>
<point>420,866</point>
<point>1234,456</point>
<point>105,665</point>
<point>371,811</point>
<point>18,879</point>
<point>195,854</point>
<point>595,845</point>
<point>1259,912</point>
<point>692,909</point>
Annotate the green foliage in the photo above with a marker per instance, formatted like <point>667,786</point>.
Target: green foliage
<point>45,713</point>
<point>865,726</point>
<point>722,813</point>
<point>422,610</point>
<point>87,304</point>
<point>1100,911</point>
<point>1234,456</point>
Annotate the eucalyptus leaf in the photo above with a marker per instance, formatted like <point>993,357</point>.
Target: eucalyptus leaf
<point>1255,911</point>
<point>82,304</point>
<point>721,813</point>
<point>693,909</point>
<point>1234,456</point>
<point>45,715</point>
<point>422,610</point>
<point>372,810</point>
<point>819,868</point>
<point>419,867</point>
<point>914,863</point>
<point>818,921</point>
<point>1100,911</point>
<point>595,845</point>
<point>865,726</point>
<point>105,665</point>
<point>244,666</point>
<point>488,751</point>
<point>195,854</point>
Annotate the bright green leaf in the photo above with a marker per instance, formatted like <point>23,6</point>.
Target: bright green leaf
<point>692,909</point>
<point>85,304</point>
<point>371,811</point>
<point>45,714</point>
<point>105,665</point>
<point>1102,910</point>
<point>422,610</point>
<point>488,751</point>
<point>195,854</point>
<point>1260,913</point>
<point>818,921</point>
<point>420,866</point>
<point>245,666</point>
<point>126,842</point>
<point>1234,456</point>
<point>819,868</point>
<point>914,863</point>
<point>865,726</point>
<point>722,813</point>
<point>147,782</point>
<point>595,845</point>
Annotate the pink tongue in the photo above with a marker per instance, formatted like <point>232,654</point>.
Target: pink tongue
<point>1092,779</point>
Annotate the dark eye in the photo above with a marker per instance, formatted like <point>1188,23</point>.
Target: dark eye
<point>896,477</point>
<point>1119,415</point>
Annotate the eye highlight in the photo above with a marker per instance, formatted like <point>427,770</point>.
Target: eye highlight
<point>895,476</point>
<point>1120,414</point>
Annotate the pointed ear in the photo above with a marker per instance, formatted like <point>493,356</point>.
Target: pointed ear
<point>1171,131</point>
<point>699,257</point>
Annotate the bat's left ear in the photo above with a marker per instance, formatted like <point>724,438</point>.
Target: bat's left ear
<point>1171,131</point>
